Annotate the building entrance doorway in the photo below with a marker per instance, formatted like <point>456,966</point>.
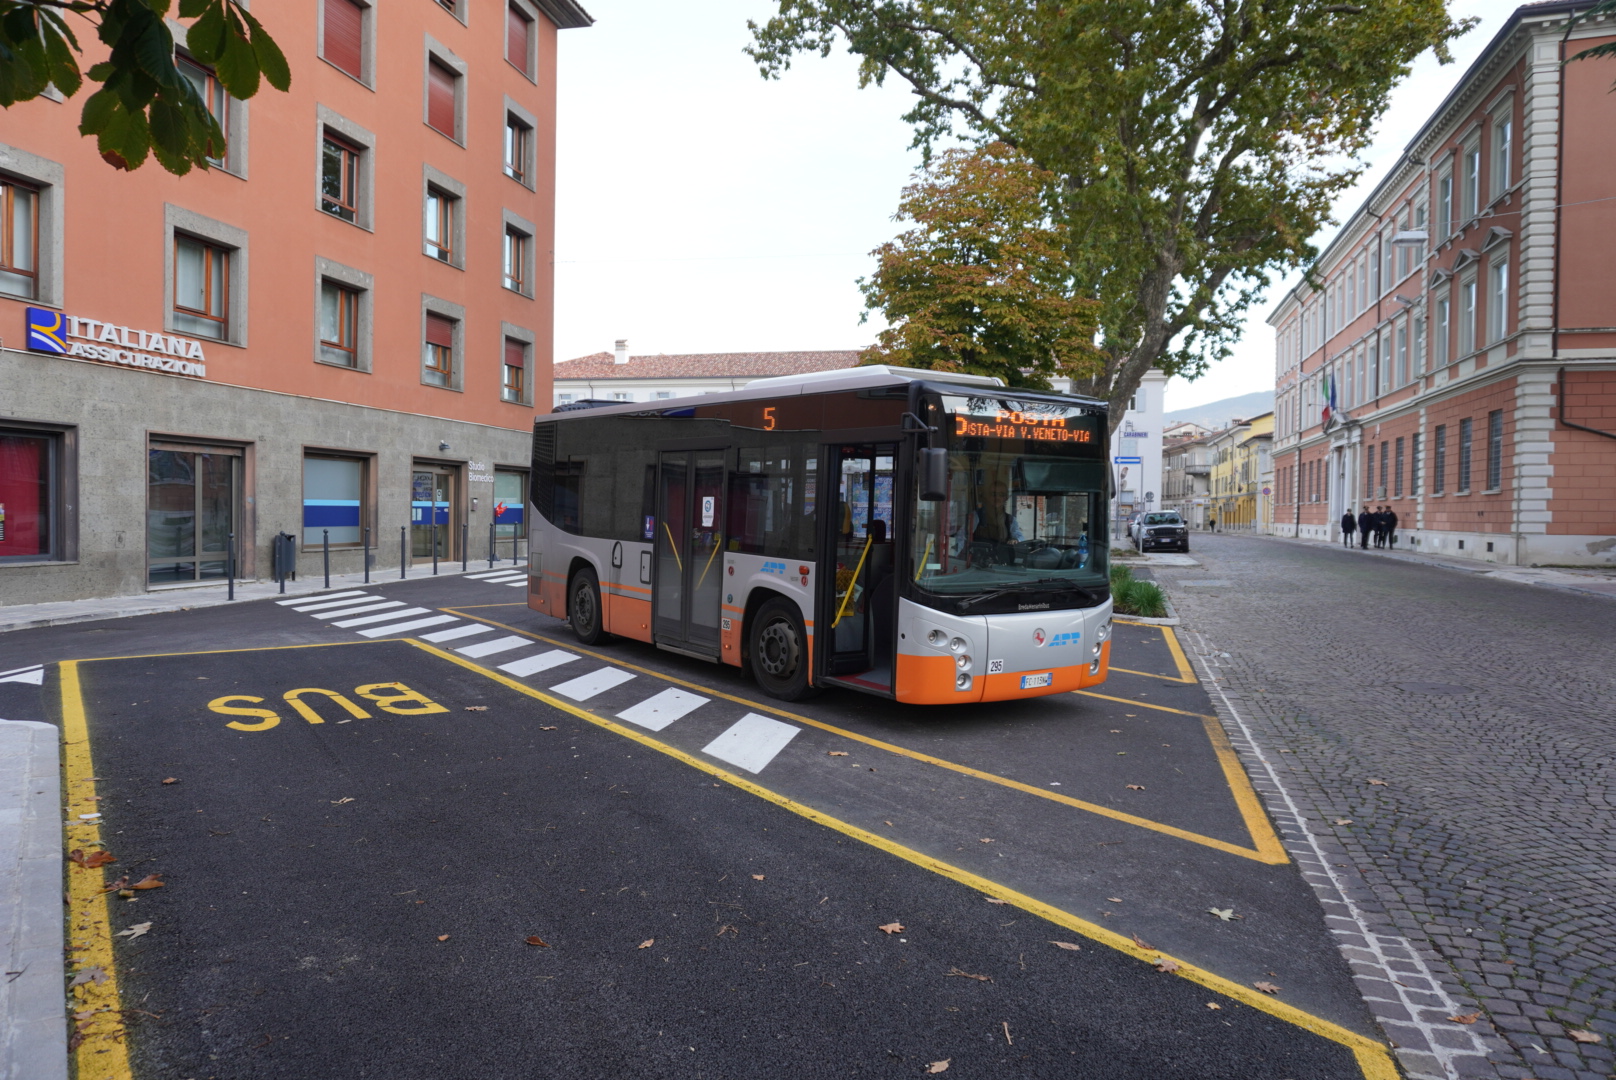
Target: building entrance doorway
<point>192,507</point>
<point>434,513</point>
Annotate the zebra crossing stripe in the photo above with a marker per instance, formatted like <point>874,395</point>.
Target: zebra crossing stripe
<point>751,742</point>
<point>399,628</point>
<point>585,687</point>
<point>660,710</point>
<point>532,665</point>
<point>481,574</point>
<point>325,602</point>
<point>458,632</point>
<point>35,675</point>
<point>488,648</point>
<point>360,610</point>
<point>322,596</point>
<point>369,619</point>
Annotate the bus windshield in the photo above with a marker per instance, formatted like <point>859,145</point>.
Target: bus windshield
<point>1024,513</point>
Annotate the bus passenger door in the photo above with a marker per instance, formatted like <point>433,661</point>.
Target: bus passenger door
<point>688,584</point>
<point>862,610</point>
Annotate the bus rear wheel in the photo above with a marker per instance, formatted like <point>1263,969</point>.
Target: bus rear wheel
<point>779,651</point>
<point>583,607</point>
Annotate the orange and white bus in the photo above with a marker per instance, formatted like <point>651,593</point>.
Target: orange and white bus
<point>927,537</point>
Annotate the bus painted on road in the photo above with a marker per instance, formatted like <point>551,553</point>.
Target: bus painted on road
<point>923,536</point>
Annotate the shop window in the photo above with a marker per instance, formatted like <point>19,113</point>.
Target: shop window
<point>510,504</point>
<point>334,500</point>
<point>30,496</point>
<point>339,324</point>
<point>201,288</point>
<point>438,366</point>
<point>19,239</point>
<point>442,210</point>
<point>192,512</point>
<point>513,380</point>
<point>339,178</point>
<point>345,27</point>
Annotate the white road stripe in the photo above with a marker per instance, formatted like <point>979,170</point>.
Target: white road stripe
<point>325,602</point>
<point>479,575</point>
<point>751,742</point>
<point>516,584</point>
<point>585,687</point>
<point>322,596</point>
<point>32,675</point>
<point>454,634</point>
<point>19,670</point>
<point>504,576</point>
<point>363,607</point>
<point>368,619</point>
<point>399,628</point>
<point>663,709</point>
<point>489,648</point>
<point>532,665</point>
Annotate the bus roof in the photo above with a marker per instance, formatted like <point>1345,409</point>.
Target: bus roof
<point>812,382</point>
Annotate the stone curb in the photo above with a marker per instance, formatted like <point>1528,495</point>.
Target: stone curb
<point>33,1017</point>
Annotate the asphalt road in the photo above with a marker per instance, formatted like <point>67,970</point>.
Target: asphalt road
<point>352,897</point>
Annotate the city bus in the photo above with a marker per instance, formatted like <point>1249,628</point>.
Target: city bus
<point>923,536</point>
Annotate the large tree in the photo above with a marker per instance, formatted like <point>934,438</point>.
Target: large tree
<point>146,105</point>
<point>979,283</point>
<point>1198,144</point>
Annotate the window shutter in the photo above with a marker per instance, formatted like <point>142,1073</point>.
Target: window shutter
<point>515,353</point>
<point>440,102</point>
<point>440,331</point>
<point>517,29</point>
<point>344,35</point>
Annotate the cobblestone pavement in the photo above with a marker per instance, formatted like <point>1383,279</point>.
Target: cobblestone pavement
<point>1452,737</point>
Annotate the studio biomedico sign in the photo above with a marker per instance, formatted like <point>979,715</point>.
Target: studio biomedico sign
<point>90,339</point>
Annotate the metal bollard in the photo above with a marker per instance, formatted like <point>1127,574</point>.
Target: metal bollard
<point>230,566</point>
<point>465,553</point>
<point>403,548</point>
<point>325,551</point>
<point>367,554</point>
<point>493,555</point>
<point>434,546</point>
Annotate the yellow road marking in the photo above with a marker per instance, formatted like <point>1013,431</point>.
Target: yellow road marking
<point>1145,705</point>
<point>1373,1058</point>
<point>1186,674</point>
<point>211,652</point>
<point>103,1054</point>
<point>1261,850</point>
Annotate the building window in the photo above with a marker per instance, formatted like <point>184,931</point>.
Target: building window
<point>513,381</point>
<point>334,502</point>
<point>1404,373</point>
<point>1503,136</point>
<point>339,324</point>
<point>1444,202</point>
<point>1442,326</point>
<point>442,98</point>
<point>30,496</point>
<point>213,96</point>
<point>438,352</point>
<point>19,239</point>
<point>1467,316</point>
<point>1471,163</point>
<point>1414,463</point>
<point>441,210</point>
<point>1495,450</point>
<point>518,145</point>
<point>516,253</point>
<point>201,288</point>
<point>510,504</point>
<point>1369,471</point>
<point>519,40</point>
<point>1439,467</point>
<point>1498,302</point>
<point>1397,471</point>
<point>1418,347</point>
<point>1463,486</point>
<point>1385,462</point>
<point>664,395</point>
<point>339,178</point>
<point>622,395</point>
<point>564,399</point>
<point>447,5</point>
<point>344,36</point>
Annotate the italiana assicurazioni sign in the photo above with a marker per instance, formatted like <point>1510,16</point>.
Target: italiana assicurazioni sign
<point>60,334</point>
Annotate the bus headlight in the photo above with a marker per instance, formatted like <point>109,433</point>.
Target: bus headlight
<point>963,661</point>
<point>962,682</point>
<point>1104,632</point>
<point>1094,668</point>
<point>937,639</point>
<point>958,645</point>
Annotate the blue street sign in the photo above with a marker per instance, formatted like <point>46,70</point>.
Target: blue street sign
<point>1127,461</point>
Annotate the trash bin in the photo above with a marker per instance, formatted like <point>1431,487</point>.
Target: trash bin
<point>284,556</point>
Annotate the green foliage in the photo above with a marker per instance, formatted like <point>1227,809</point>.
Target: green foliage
<point>1130,596</point>
<point>144,106</point>
<point>980,284</point>
<point>1196,145</point>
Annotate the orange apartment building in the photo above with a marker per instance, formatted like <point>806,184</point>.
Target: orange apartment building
<point>1466,323</point>
<point>339,332</point>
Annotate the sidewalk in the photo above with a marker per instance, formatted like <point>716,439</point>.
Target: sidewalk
<point>1590,582</point>
<point>26,616</point>
<point>33,1026</point>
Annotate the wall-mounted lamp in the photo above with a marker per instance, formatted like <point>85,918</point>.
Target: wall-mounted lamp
<point>474,504</point>
<point>1410,237</point>
<point>1405,301</point>
<point>443,448</point>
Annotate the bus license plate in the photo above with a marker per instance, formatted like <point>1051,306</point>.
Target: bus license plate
<point>1029,682</point>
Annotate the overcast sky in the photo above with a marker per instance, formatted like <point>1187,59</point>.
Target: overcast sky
<point>700,208</point>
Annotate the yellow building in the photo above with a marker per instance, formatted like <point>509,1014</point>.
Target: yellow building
<point>1241,465</point>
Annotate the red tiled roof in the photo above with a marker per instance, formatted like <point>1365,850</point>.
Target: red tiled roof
<point>755,365</point>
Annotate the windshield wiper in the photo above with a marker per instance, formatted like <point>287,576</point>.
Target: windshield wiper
<point>1005,590</point>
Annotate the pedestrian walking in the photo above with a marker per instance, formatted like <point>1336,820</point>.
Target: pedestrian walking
<point>1366,523</point>
<point>1391,527</point>
<point>1349,525</point>
<point>1380,527</point>
<point>1212,524</point>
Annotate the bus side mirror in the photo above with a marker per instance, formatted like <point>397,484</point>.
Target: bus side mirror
<point>933,475</point>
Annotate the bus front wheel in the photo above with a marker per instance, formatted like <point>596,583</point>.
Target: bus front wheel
<point>583,607</point>
<point>779,651</point>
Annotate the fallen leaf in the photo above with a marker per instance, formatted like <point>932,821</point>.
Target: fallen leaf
<point>1164,964</point>
<point>1466,1018</point>
<point>171,780</point>
<point>96,974</point>
<point>727,929</point>
<point>985,840</point>
<point>1213,1005</point>
<point>967,975</point>
<point>1136,787</point>
<point>1115,899</point>
<point>1377,783</point>
<point>939,1066</point>
<point>85,1014</point>
<point>121,883</point>
<point>1584,1036</point>
<point>1069,946</point>
<point>1343,821</point>
<point>757,877</point>
<point>476,708</point>
<point>889,823</point>
<point>835,753</point>
<point>1122,753</point>
<point>552,727</point>
<point>91,859</point>
<point>150,881</point>
<point>891,928</point>
<point>537,940</point>
<point>647,943</point>
<point>127,894</point>
<point>1266,987</point>
<point>443,937</point>
<point>1143,944</point>
<point>134,931</point>
<point>1223,913</point>
<point>339,802</point>
<point>996,900</point>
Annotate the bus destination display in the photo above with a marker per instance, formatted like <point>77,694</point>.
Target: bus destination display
<point>1018,425</point>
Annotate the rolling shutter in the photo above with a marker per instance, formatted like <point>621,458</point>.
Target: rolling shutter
<point>439,331</point>
<point>517,29</point>
<point>440,100</point>
<point>515,353</point>
<point>345,35</point>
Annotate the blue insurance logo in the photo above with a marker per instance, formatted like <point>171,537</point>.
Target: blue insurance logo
<point>47,331</point>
